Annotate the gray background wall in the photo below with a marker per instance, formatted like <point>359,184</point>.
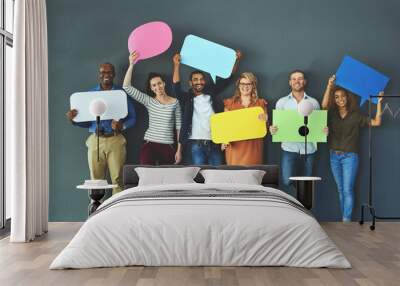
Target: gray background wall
<point>275,37</point>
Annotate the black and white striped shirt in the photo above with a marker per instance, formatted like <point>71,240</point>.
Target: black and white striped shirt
<point>162,117</point>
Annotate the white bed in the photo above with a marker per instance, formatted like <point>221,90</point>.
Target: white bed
<point>203,225</point>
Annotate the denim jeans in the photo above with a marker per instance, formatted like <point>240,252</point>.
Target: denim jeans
<point>289,163</point>
<point>344,169</point>
<point>205,152</point>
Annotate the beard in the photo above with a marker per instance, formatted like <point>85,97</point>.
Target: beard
<point>198,87</point>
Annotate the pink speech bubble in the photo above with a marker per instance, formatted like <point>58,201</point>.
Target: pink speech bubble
<point>150,39</point>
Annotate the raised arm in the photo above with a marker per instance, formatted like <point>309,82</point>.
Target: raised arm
<point>128,75</point>
<point>328,91</point>
<point>238,58</point>
<point>127,85</point>
<point>176,77</point>
<point>378,116</point>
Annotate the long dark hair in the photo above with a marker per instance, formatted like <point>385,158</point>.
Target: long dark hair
<point>149,78</point>
<point>351,104</point>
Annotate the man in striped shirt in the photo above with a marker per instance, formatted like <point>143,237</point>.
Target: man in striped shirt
<point>198,104</point>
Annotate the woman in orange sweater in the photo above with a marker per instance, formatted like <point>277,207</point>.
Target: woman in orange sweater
<point>245,152</point>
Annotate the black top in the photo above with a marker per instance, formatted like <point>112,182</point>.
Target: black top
<point>187,103</point>
<point>344,132</point>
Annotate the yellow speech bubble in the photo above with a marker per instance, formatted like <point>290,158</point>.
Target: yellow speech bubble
<point>237,125</point>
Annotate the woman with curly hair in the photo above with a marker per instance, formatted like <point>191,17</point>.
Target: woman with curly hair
<point>344,122</point>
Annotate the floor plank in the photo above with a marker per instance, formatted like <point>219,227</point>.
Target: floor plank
<point>374,255</point>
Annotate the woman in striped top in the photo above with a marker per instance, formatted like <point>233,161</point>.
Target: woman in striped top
<point>164,114</point>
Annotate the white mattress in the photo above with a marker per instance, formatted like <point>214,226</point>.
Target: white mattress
<point>189,231</point>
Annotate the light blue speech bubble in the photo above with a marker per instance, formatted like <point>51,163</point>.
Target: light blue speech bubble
<point>208,56</point>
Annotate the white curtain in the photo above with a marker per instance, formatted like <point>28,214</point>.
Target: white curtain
<point>27,123</point>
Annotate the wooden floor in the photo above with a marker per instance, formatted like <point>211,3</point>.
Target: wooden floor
<point>374,255</point>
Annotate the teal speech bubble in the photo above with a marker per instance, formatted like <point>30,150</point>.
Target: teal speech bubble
<point>208,56</point>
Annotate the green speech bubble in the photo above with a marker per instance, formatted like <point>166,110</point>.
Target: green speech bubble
<point>289,122</point>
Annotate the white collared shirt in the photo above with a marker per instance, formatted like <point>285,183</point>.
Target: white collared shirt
<point>202,112</point>
<point>290,103</point>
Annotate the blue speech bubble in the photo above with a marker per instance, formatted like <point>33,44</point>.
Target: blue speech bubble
<point>360,79</point>
<point>208,56</point>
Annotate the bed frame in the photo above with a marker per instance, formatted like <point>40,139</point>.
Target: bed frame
<point>271,178</point>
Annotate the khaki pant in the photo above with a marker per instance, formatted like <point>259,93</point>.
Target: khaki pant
<point>112,153</point>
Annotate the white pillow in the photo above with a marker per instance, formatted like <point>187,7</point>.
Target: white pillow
<point>166,176</point>
<point>248,177</point>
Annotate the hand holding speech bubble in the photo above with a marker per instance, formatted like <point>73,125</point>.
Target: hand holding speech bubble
<point>114,100</point>
<point>289,122</point>
<point>237,125</point>
<point>208,56</point>
<point>150,39</point>
<point>360,79</point>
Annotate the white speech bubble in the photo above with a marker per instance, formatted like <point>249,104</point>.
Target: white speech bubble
<point>115,100</point>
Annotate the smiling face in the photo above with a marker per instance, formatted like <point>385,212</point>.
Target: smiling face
<point>297,81</point>
<point>245,86</point>
<point>197,83</point>
<point>106,76</point>
<point>340,98</point>
<point>157,85</point>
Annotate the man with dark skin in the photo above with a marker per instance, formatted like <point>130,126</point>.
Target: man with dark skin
<point>106,78</point>
<point>112,145</point>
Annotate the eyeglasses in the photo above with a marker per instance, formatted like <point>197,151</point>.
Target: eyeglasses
<point>245,84</point>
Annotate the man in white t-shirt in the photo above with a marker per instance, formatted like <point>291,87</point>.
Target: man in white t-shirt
<point>198,104</point>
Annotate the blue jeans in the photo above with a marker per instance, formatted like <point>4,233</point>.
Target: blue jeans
<point>205,152</point>
<point>289,163</point>
<point>344,167</point>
